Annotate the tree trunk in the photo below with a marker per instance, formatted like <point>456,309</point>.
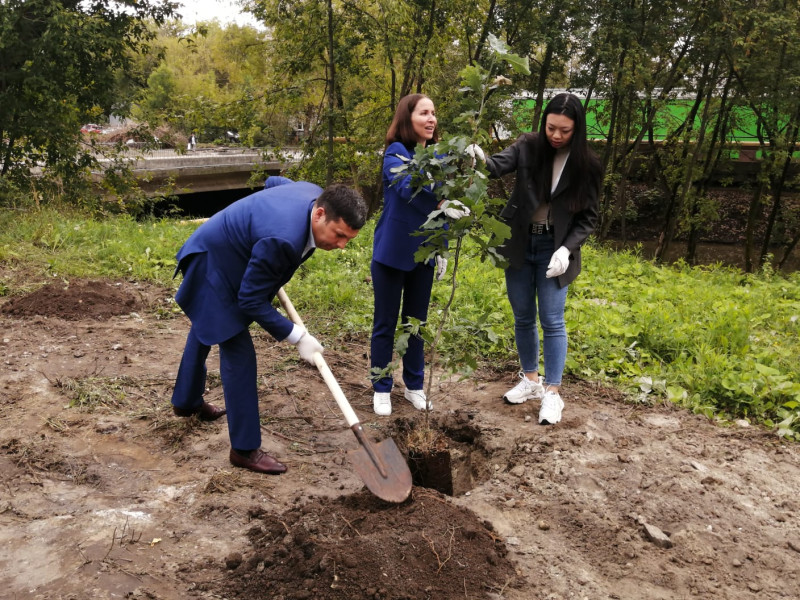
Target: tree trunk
<point>544,71</point>
<point>787,251</point>
<point>485,30</point>
<point>331,91</point>
<point>778,183</point>
<point>749,234</point>
<point>426,44</point>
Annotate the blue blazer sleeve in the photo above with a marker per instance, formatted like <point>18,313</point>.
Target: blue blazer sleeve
<point>272,263</point>
<point>425,201</point>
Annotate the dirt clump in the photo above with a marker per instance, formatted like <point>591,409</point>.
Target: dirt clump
<point>358,546</point>
<point>77,299</point>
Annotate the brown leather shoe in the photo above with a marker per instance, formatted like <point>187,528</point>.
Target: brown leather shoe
<point>206,412</point>
<point>258,461</point>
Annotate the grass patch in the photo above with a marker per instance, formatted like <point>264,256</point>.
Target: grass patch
<point>93,392</point>
<point>67,243</point>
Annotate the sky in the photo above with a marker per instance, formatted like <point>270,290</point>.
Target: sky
<point>226,11</point>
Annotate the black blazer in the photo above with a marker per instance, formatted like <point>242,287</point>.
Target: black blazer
<point>570,229</point>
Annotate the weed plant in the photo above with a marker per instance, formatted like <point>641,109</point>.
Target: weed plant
<point>713,339</point>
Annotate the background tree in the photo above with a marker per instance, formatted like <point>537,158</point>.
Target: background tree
<point>61,64</point>
<point>764,55</point>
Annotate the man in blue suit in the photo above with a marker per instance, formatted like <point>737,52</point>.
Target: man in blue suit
<point>233,266</point>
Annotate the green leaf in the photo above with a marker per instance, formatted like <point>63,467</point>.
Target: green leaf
<point>765,370</point>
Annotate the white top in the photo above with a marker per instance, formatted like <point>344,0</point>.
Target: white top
<point>559,161</point>
<point>542,213</point>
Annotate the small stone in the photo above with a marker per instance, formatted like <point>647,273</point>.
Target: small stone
<point>737,562</point>
<point>349,561</point>
<point>742,423</point>
<point>116,347</point>
<point>754,587</point>
<point>543,525</point>
<point>512,541</point>
<point>527,418</point>
<point>518,471</point>
<point>794,545</point>
<point>105,427</point>
<point>658,537</point>
<point>511,503</point>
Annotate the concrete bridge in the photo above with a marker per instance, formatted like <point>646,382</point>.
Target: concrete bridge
<point>207,169</point>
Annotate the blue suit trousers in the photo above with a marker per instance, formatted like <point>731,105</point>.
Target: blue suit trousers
<point>391,287</point>
<point>238,370</point>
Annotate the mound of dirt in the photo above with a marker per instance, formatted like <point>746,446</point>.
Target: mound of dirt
<point>76,300</point>
<point>358,546</point>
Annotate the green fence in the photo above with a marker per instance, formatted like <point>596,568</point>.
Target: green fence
<point>741,134</point>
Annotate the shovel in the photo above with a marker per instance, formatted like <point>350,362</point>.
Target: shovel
<point>381,466</point>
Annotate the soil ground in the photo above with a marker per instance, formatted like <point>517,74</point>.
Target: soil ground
<point>105,494</point>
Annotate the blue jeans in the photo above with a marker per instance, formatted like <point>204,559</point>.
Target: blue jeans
<point>526,287</point>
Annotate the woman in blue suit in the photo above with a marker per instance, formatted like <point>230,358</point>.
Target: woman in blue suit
<point>396,278</point>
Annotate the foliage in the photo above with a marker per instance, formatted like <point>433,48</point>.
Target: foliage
<point>61,65</point>
<point>65,242</point>
<point>712,339</point>
<point>210,80</point>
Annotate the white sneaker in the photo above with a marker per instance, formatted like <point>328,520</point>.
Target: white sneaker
<point>382,403</point>
<point>526,389</point>
<point>550,412</point>
<point>418,399</point>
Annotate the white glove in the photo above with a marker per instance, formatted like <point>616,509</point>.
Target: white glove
<point>474,150</point>
<point>454,209</point>
<point>308,346</point>
<point>559,263</point>
<point>441,267</point>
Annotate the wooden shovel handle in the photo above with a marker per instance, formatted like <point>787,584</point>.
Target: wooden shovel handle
<point>330,380</point>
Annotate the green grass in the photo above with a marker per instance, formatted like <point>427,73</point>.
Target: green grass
<point>712,339</point>
<point>68,243</point>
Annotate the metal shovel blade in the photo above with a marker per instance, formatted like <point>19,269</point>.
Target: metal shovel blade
<point>381,467</point>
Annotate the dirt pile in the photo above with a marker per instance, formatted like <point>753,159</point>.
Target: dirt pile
<point>357,546</point>
<point>76,300</point>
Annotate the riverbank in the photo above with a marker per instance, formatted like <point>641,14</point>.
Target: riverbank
<point>722,241</point>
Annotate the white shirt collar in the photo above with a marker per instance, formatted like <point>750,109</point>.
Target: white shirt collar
<point>310,243</point>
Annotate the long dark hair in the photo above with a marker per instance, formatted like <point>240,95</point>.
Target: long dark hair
<point>585,166</point>
<point>401,130</point>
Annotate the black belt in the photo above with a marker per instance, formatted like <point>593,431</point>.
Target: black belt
<point>539,229</point>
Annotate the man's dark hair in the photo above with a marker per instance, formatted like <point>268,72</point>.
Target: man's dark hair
<point>342,202</point>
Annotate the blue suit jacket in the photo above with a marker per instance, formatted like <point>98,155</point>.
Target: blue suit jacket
<point>402,215</point>
<point>235,263</point>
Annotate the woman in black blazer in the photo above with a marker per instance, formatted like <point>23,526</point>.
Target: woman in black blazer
<point>552,211</point>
